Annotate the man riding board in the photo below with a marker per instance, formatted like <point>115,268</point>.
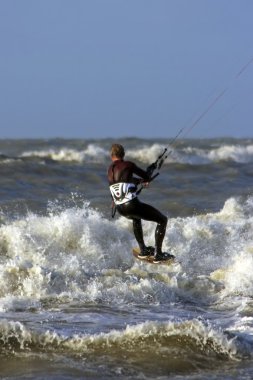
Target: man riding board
<point>123,187</point>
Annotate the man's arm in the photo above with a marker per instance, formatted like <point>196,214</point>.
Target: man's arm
<point>144,177</point>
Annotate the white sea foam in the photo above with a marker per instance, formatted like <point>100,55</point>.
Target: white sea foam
<point>201,337</point>
<point>236,153</point>
<point>193,156</point>
<point>41,256</point>
<point>77,252</point>
<point>93,153</point>
<point>149,153</point>
<point>146,154</point>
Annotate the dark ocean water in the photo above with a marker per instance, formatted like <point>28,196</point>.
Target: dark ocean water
<point>75,304</point>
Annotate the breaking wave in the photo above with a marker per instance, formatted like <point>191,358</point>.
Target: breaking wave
<point>149,153</point>
<point>188,337</point>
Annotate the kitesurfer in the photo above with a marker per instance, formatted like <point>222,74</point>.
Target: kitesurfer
<point>123,187</point>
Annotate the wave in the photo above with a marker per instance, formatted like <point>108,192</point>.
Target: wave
<point>147,153</point>
<point>93,153</point>
<point>77,252</point>
<point>233,153</point>
<point>194,156</point>
<point>186,338</point>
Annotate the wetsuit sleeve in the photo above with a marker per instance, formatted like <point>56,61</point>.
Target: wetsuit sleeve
<point>141,173</point>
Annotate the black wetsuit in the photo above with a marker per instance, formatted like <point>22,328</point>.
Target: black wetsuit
<point>123,171</point>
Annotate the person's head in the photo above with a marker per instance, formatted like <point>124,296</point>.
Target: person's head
<point>118,151</point>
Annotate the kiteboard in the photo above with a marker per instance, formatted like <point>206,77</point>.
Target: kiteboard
<point>150,259</point>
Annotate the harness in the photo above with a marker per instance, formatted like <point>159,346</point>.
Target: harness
<point>123,192</point>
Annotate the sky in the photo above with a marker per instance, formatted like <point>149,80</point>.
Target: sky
<point>126,68</point>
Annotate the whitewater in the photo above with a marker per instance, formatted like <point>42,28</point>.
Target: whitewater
<point>75,304</point>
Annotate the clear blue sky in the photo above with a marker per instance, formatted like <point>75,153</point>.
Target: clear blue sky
<point>112,68</point>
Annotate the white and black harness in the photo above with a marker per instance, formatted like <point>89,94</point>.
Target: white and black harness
<point>123,192</point>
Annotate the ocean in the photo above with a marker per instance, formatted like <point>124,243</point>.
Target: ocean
<point>75,303</point>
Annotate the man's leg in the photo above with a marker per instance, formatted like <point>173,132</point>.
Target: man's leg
<point>159,235</point>
<point>138,233</point>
